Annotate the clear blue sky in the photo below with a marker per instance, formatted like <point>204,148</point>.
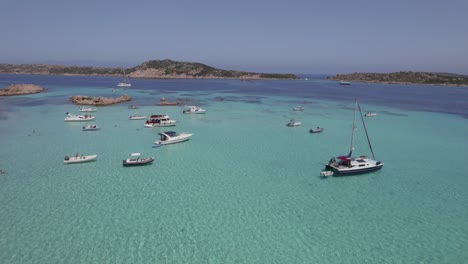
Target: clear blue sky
<point>297,36</point>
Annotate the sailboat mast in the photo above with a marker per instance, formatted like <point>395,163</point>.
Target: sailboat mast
<point>354,128</point>
<point>367,135</point>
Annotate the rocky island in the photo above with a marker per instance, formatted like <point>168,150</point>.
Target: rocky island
<point>95,100</point>
<point>405,77</point>
<point>19,89</point>
<point>164,69</point>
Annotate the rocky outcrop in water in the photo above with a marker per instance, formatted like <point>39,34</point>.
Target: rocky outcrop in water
<point>97,100</point>
<point>19,89</point>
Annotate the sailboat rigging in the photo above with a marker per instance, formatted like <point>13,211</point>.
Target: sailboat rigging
<point>348,165</point>
<point>125,82</point>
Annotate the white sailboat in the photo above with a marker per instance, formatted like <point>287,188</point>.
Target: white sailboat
<point>348,165</point>
<point>125,82</point>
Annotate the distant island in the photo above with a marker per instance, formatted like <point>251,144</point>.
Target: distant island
<point>405,77</point>
<point>164,69</point>
<point>19,89</point>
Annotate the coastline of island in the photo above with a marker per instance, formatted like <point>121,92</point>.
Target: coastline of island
<point>154,69</point>
<point>405,77</point>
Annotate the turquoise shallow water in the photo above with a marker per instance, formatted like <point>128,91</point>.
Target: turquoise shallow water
<point>244,189</point>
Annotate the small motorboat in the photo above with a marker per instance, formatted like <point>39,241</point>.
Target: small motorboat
<point>317,130</point>
<point>87,109</point>
<point>133,107</point>
<point>345,83</point>
<point>137,117</point>
<point>189,109</point>
<point>326,173</point>
<point>136,160</point>
<point>298,108</point>
<point>170,137</point>
<point>77,118</point>
<point>92,127</point>
<point>79,158</point>
<point>124,84</point>
<point>293,123</point>
<point>370,114</point>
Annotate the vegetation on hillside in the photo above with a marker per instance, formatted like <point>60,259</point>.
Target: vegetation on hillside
<point>163,69</point>
<point>405,77</point>
<point>199,70</point>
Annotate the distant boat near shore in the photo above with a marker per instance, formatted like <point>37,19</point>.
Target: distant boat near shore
<point>125,82</point>
<point>345,83</point>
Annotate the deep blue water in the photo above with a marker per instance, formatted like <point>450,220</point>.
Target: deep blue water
<point>431,98</point>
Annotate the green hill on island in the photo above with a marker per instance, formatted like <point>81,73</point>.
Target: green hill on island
<point>149,69</point>
<point>405,77</point>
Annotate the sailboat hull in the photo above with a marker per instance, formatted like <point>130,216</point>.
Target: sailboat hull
<point>353,171</point>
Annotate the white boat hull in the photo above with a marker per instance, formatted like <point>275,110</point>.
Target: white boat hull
<point>90,128</point>
<point>316,130</point>
<point>79,119</point>
<point>138,162</point>
<point>295,124</point>
<point>79,159</point>
<point>172,140</point>
<point>87,110</point>
<point>161,124</point>
<point>137,117</point>
<point>354,166</point>
<point>193,110</point>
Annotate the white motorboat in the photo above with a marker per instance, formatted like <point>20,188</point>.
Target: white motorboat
<point>345,83</point>
<point>170,137</point>
<point>348,165</point>
<point>79,158</point>
<point>190,109</point>
<point>317,130</point>
<point>92,127</point>
<point>87,109</point>
<point>124,84</point>
<point>370,114</point>
<point>293,123</point>
<point>133,107</point>
<point>298,108</point>
<point>137,117</point>
<point>76,118</point>
<point>136,160</point>
<point>160,121</point>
